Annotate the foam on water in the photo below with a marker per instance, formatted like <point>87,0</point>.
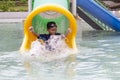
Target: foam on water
<point>56,48</point>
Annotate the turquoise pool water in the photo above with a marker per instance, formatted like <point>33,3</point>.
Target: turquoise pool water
<point>98,57</point>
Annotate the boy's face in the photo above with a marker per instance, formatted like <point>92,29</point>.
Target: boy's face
<point>52,30</point>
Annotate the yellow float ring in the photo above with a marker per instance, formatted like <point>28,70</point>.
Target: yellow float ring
<point>29,37</point>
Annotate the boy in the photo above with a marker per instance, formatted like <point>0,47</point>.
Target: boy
<point>45,39</point>
<point>52,29</point>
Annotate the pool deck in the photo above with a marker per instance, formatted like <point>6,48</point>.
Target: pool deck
<point>20,16</point>
<point>13,16</point>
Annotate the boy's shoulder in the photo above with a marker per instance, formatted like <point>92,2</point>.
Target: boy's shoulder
<point>43,34</point>
<point>58,34</point>
<point>49,34</point>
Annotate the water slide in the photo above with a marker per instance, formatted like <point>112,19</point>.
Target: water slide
<point>44,11</point>
<point>100,13</point>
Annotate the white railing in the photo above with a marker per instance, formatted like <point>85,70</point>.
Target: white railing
<point>74,6</point>
<point>29,5</point>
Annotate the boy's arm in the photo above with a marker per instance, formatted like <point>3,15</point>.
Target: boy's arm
<point>67,32</point>
<point>32,31</point>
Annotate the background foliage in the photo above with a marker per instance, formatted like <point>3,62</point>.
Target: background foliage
<point>13,5</point>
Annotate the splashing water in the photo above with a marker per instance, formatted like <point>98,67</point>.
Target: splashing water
<point>54,48</point>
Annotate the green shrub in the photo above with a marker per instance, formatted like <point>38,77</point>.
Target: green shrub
<point>13,5</point>
<point>6,4</point>
<point>23,1</point>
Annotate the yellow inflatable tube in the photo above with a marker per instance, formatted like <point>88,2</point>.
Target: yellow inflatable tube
<point>29,37</point>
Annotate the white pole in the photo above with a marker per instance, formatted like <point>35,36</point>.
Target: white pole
<point>74,7</point>
<point>29,5</point>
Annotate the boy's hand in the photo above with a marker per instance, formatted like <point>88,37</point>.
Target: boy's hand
<point>31,29</point>
<point>69,30</point>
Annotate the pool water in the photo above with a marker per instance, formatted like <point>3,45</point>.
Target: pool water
<point>98,57</point>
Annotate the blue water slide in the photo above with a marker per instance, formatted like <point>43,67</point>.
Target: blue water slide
<point>93,8</point>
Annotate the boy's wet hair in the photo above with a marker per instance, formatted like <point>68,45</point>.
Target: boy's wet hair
<point>51,25</point>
